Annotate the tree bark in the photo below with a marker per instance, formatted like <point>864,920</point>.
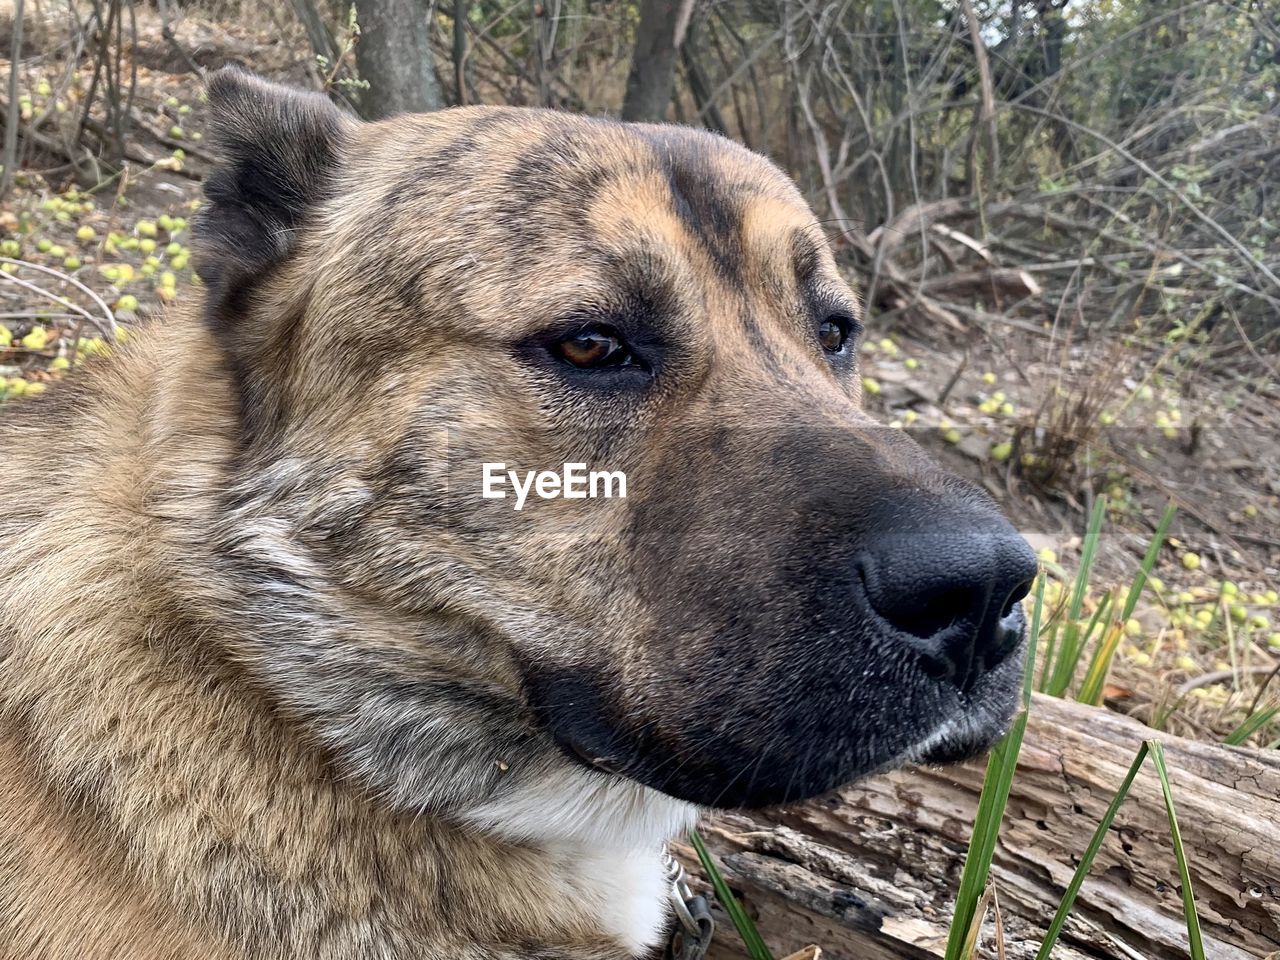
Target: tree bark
<point>871,872</point>
<point>393,56</point>
<point>653,63</point>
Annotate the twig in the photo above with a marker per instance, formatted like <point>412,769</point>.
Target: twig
<point>1218,676</point>
<point>106,324</point>
<point>953,380</point>
<point>1262,688</point>
<point>166,31</point>
<point>986,116</point>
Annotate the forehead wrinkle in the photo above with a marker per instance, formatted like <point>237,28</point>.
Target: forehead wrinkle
<point>771,228</point>
<point>776,288</point>
<point>705,188</point>
<point>768,320</point>
<point>640,209</point>
<point>809,251</point>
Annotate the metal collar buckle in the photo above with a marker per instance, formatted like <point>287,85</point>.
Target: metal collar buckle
<point>691,938</point>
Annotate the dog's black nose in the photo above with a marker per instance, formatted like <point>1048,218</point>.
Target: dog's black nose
<point>951,592</point>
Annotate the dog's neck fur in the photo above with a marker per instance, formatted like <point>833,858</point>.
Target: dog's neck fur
<point>172,787</point>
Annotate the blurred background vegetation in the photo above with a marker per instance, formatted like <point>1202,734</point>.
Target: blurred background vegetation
<point>1063,217</point>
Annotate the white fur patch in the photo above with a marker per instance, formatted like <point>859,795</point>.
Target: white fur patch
<point>627,891</point>
<point>584,808</point>
<point>605,836</point>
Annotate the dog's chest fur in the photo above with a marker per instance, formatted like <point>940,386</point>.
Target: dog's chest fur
<point>605,839</point>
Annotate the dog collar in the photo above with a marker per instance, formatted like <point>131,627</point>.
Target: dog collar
<point>691,938</point>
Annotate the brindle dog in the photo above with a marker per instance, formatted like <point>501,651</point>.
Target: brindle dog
<point>278,681</point>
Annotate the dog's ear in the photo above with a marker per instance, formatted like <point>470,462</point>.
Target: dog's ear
<point>277,152</point>
<point>277,149</point>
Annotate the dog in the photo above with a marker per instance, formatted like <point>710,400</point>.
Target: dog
<point>279,680</point>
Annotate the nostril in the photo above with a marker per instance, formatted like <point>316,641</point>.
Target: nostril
<point>1019,594</point>
<point>926,613</point>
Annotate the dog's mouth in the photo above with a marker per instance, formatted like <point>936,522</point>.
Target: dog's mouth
<point>983,721</point>
<point>585,757</point>
<point>718,749</point>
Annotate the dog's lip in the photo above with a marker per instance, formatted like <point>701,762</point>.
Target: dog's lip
<point>603,764</point>
<point>979,723</point>
<point>957,742</point>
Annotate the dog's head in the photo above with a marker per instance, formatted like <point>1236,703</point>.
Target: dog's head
<point>788,597</point>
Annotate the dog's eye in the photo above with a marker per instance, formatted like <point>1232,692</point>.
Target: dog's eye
<point>833,333</point>
<point>595,348</point>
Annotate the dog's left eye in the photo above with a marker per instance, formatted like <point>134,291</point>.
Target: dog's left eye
<point>833,333</point>
<point>595,348</point>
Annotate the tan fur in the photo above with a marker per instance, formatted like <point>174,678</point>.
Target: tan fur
<point>154,806</point>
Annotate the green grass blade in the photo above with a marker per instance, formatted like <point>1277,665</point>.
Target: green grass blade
<point>1033,643</point>
<point>1188,896</point>
<point>982,844</point>
<point>1104,653</point>
<point>1073,647</point>
<point>1251,725</point>
<point>1072,643</point>
<point>1050,647</point>
<point>1161,714</point>
<point>746,928</point>
<point>1087,555</point>
<point>1148,564</point>
<point>970,945</point>
<point>1100,615</point>
<point>1100,666</point>
<point>991,803</point>
<point>1091,852</point>
<point>1068,653</point>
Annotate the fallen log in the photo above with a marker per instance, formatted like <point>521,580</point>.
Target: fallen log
<point>871,872</point>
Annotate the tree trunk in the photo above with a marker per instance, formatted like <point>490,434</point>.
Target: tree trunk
<point>393,56</point>
<point>699,85</point>
<point>460,52</point>
<point>9,159</point>
<point>871,873</point>
<point>318,34</point>
<point>653,62</point>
